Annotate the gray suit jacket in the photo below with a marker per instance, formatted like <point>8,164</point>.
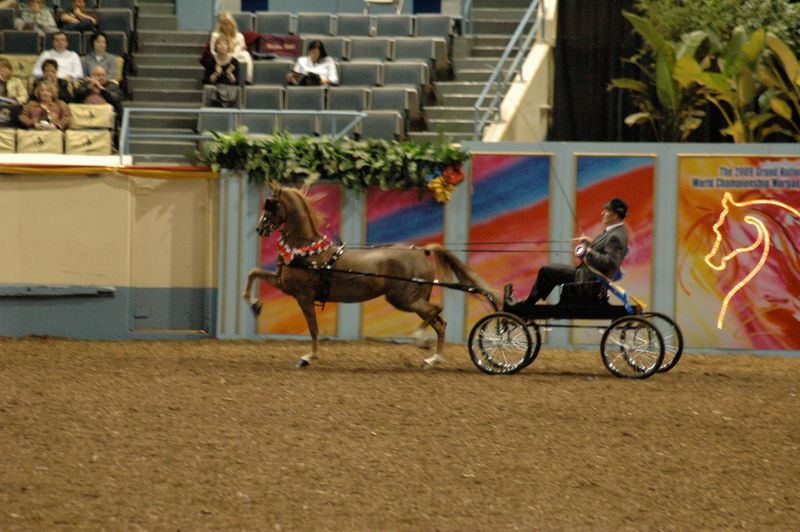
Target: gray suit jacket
<point>607,252</point>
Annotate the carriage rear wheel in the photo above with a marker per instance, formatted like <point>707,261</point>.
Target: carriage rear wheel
<point>632,347</point>
<point>501,343</point>
<point>673,338</point>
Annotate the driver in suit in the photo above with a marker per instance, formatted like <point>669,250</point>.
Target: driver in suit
<point>604,254</point>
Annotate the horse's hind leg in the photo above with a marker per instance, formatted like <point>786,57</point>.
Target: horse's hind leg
<point>257,273</point>
<point>431,315</point>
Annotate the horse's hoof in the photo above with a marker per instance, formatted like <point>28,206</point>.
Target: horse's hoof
<point>431,362</point>
<point>302,363</point>
<point>256,307</point>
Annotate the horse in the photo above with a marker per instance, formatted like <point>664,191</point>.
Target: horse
<point>746,220</point>
<point>311,268</point>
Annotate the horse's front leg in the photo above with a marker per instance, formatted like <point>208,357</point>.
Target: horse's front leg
<point>257,273</point>
<point>307,306</point>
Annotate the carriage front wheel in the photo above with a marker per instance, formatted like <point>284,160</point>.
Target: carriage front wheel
<point>673,338</point>
<point>632,347</point>
<point>501,343</point>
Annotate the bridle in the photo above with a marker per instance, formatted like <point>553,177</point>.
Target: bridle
<point>267,224</point>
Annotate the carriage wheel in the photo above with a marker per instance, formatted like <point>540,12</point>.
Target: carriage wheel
<point>502,343</point>
<point>673,338</point>
<point>632,347</point>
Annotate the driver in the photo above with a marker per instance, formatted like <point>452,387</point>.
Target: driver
<point>604,254</point>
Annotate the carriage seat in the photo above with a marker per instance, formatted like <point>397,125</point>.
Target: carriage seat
<point>587,291</point>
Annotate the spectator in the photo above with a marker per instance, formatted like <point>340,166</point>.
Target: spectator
<point>226,25</point>
<point>316,68</point>
<point>47,112</point>
<point>221,68</point>
<point>97,89</point>
<point>99,57</point>
<point>50,70</point>
<point>11,88</point>
<point>77,18</point>
<point>69,63</point>
<point>6,4</point>
<point>36,17</point>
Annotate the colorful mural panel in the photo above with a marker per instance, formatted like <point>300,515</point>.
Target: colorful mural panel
<point>739,252</point>
<point>281,314</point>
<point>508,236</point>
<point>631,179</point>
<point>393,217</point>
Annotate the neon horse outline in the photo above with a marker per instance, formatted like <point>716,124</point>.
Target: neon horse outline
<point>763,236</point>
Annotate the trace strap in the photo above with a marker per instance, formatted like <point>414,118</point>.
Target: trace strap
<point>315,248</point>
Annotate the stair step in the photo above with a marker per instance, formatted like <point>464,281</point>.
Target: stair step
<point>161,95</point>
<point>194,71</point>
<point>162,147</point>
<point>495,52</point>
<point>474,74</point>
<point>172,49</point>
<point>497,27</point>
<point>157,22</point>
<point>176,37</point>
<point>451,125</point>
<point>491,40</point>
<point>469,63</point>
<point>506,13</point>
<point>458,100</point>
<point>156,9</point>
<point>163,121</point>
<point>459,87</point>
<point>136,83</point>
<point>150,59</point>
<point>162,104</point>
<point>448,112</point>
<point>502,4</point>
<point>433,136</point>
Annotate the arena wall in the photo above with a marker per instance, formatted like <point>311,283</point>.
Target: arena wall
<point>164,253</point>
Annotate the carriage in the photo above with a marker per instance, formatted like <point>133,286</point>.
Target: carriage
<point>635,344</point>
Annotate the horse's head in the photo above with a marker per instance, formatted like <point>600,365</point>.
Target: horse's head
<point>731,227</point>
<point>273,215</point>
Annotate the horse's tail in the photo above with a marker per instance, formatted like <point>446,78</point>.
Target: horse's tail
<point>451,265</point>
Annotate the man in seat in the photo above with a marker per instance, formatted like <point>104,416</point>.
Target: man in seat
<point>603,254</point>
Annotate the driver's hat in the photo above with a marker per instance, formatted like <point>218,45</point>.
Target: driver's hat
<point>617,206</point>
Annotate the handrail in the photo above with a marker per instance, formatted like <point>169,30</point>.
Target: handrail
<point>125,135</point>
<point>466,17</point>
<point>482,119</point>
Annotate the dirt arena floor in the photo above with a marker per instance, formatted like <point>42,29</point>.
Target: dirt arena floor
<point>228,435</point>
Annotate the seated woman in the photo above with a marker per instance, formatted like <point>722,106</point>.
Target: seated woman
<point>77,18</point>
<point>222,67</point>
<point>316,68</point>
<point>99,57</point>
<point>226,25</point>
<point>50,71</point>
<point>11,88</point>
<point>37,17</point>
<point>47,112</point>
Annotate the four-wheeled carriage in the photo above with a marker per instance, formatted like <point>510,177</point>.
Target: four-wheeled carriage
<point>635,344</point>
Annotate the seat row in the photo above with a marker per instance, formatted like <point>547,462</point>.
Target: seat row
<point>367,72</point>
<point>23,66</point>
<point>282,23</point>
<point>108,19</point>
<point>71,141</point>
<point>30,42</point>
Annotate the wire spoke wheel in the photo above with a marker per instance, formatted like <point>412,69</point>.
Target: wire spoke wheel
<point>673,338</point>
<point>632,347</point>
<point>502,343</point>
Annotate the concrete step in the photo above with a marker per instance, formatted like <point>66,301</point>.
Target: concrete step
<point>470,63</point>
<point>150,59</point>
<point>156,9</point>
<point>180,84</point>
<point>497,27</point>
<point>501,4</point>
<point>491,40</point>
<point>163,147</point>
<point>482,74</point>
<point>449,113</point>
<point>172,49</point>
<point>174,37</point>
<point>162,131</point>
<point>160,103</point>
<point>458,100</point>
<point>459,87</point>
<point>192,71</point>
<point>506,13</point>
<point>433,136</point>
<point>495,52</point>
<point>157,22</point>
<point>160,95</point>
<point>451,125</point>
<point>163,121</point>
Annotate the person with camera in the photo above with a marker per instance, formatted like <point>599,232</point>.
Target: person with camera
<point>47,111</point>
<point>315,68</point>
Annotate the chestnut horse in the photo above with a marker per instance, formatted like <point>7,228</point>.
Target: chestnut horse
<point>310,268</point>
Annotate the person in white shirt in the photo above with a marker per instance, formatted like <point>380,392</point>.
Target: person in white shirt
<point>69,63</point>
<point>603,254</point>
<point>316,64</point>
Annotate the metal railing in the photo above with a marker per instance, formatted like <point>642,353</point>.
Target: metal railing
<point>350,119</point>
<point>466,17</point>
<point>498,83</point>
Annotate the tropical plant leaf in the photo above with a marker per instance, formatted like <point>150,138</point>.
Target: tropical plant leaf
<point>646,29</point>
<point>787,57</point>
<point>753,47</point>
<point>638,118</point>
<point>665,86</point>
<point>781,108</point>
<point>629,84</point>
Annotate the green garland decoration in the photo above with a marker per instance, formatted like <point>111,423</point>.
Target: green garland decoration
<point>357,164</point>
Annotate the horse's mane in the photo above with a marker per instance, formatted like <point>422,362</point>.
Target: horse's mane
<point>305,201</point>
